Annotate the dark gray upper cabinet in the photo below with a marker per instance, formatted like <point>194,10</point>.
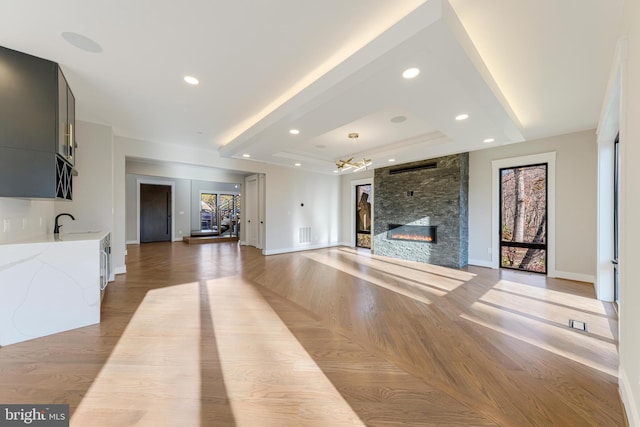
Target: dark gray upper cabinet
<point>66,120</point>
<point>37,128</point>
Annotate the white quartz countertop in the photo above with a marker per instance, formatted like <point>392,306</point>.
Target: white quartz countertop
<point>62,237</point>
<point>50,284</point>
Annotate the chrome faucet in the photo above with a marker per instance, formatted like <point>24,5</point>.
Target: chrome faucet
<point>56,228</point>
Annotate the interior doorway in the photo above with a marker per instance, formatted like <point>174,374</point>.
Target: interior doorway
<point>363,215</point>
<point>523,218</point>
<point>155,213</point>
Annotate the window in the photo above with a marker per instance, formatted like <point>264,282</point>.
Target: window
<point>523,218</point>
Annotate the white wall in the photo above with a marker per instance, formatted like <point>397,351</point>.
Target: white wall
<point>629,317</point>
<point>576,175</point>
<point>92,204</point>
<point>286,191</point>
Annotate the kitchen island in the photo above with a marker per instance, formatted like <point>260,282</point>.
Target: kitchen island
<point>51,284</point>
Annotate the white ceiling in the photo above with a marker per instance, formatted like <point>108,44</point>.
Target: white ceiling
<point>521,69</point>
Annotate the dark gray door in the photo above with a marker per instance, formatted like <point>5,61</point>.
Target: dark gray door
<point>155,213</point>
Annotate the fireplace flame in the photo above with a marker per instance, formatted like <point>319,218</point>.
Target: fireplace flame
<point>416,237</point>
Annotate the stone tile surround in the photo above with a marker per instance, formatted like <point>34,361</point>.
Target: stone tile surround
<point>436,195</point>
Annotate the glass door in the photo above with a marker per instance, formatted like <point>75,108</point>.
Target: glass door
<point>523,218</point>
<point>220,214</point>
<point>226,210</point>
<point>363,216</point>
<point>209,213</point>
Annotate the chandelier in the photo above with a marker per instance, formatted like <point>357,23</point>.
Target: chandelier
<point>349,164</point>
<point>344,165</point>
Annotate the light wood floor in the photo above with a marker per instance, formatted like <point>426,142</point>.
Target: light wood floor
<point>218,335</point>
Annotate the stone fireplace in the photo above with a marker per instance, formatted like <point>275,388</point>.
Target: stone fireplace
<point>421,211</point>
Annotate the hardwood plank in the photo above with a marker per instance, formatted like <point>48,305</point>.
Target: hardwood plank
<point>221,335</point>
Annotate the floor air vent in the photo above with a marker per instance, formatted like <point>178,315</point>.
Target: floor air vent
<point>577,324</point>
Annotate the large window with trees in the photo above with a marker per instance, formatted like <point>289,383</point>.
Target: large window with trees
<point>523,218</point>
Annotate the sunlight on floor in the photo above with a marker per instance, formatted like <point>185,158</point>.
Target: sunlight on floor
<point>143,371</point>
<point>451,273</point>
<point>232,350</point>
<point>550,337</point>
<point>392,282</point>
<point>265,367</point>
<point>550,306</point>
<point>579,303</point>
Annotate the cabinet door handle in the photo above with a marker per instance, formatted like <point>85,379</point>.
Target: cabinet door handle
<point>70,140</point>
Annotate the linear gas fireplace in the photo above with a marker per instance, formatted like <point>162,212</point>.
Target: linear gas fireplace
<point>413,233</point>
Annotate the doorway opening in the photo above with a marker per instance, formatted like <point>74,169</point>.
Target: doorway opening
<point>363,216</point>
<point>523,218</point>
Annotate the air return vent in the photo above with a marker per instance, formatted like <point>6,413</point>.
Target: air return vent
<point>304,235</point>
<point>413,168</point>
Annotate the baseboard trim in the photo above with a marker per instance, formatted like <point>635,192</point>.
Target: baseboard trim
<point>120,270</point>
<point>132,242</point>
<point>627,400</point>
<point>481,263</point>
<point>300,248</point>
<point>575,276</point>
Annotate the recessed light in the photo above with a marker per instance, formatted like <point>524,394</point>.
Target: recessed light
<point>488,140</point>
<point>191,80</point>
<point>246,155</point>
<point>392,160</point>
<point>336,171</point>
<point>460,117</point>
<point>410,73</point>
<point>294,131</point>
<point>298,164</point>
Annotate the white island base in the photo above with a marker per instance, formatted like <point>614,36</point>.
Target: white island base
<point>49,285</point>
